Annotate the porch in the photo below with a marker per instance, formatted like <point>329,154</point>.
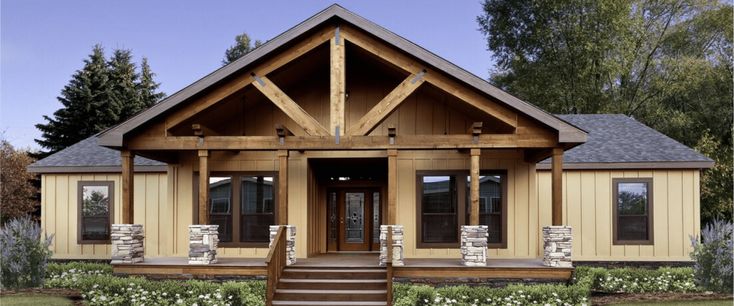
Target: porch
<point>414,268</point>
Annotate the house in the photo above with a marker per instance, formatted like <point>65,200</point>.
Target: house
<point>338,126</point>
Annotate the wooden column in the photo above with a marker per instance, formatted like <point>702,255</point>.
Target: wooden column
<point>203,186</point>
<point>338,83</point>
<point>474,187</point>
<point>557,186</point>
<point>392,185</point>
<point>283,187</point>
<point>128,187</point>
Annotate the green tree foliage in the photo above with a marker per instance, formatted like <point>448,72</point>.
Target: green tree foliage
<point>667,63</point>
<point>101,94</point>
<point>243,45</point>
<point>17,192</point>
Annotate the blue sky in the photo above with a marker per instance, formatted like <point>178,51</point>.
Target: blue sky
<point>42,43</point>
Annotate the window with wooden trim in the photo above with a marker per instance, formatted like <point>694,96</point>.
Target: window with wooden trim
<point>243,205</point>
<point>492,205</point>
<point>632,200</point>
<point>95,206</point>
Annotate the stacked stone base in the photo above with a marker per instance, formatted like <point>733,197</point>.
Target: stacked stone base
<point>557,242</point>
<point>397,245</point>
<point>203,244</point>
<point>474,245</point>
<point>290,240</point>
<point>127,243</point>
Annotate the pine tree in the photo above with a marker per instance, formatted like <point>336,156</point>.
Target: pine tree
<point>147,87</point>
<point>242,46</point>
<point>86,109</point>
<point>123,79</point>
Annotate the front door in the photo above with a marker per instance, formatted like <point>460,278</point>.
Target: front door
<point>355,218</point>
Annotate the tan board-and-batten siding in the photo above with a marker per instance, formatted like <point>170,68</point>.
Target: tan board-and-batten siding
<point>587,207</point>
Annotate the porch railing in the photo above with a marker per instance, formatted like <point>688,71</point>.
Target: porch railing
<point>276,262</point>
<point>388,266</point>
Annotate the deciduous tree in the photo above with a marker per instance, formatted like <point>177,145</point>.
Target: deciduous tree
<point>17,193</point>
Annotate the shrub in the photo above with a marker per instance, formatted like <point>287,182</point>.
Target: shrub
<point>713,256</point>
<point>636,280</point>
<point>23,254</point>
<point>98,287</point>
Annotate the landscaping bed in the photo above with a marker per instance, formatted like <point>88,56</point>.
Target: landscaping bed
<point>41,296</point>
<point>633,298</point>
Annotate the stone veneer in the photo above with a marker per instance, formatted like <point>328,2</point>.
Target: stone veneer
<point>203,243</point>
<point>127,243</point>
<point>474,245</point>
<point>557,246</point>
<point>397,245</point>
<point>290,241</point>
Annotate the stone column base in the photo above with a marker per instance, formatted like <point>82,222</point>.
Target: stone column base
<point>557,242</point>
<point>127,243</point>
<point>397,245</point>
<point>203,244</point>
<point>290,240</point>
<point>474,245</point>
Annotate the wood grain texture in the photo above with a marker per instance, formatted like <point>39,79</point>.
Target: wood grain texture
<point>557,186</point>
<point>290,107</point>
<point>128,190</point>
<point>203,187</point>
<point>338,84</point>
<point>386,106</point>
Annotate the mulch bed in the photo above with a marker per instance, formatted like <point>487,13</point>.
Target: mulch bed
<point>73,295</point>
<point>616,298</point>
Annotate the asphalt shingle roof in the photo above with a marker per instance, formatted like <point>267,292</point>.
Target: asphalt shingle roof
<point>614,138</point>
<point>87,153</point>
<point>611,139</point>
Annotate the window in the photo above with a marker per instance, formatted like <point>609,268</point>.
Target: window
<point>439,212</point>
<point>492,206</point>
<point>632,211</point>
<point>243,205</point>
<point>95,200</point>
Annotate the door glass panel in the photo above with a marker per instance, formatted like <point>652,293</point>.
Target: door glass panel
<point>376,217</point>
<point>333,218</point>
<point>354,219</point>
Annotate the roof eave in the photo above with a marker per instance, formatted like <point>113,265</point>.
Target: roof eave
<point>631,165</point>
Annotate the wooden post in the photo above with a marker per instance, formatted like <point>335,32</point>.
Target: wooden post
<point>557,186</point>
<point>338,83</point>
<point>128,187</point>
<point>392,187</point>
<point>283,187</point>
<point>203,186</point>
<point>474,187</point>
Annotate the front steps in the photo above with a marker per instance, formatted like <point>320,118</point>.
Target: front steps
<point>331,286</point>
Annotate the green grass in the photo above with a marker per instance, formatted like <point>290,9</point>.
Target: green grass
<point>34,300</point>
<point>684,303</point>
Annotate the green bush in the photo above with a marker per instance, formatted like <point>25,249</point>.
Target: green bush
<point>24,254</point>
<point>586,280</point>
<point>99,287</point>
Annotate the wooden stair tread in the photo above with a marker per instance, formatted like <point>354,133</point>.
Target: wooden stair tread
<point>331,291</point>
<point>329,270</point>
<point>331,303</point>
<point>326,280</point>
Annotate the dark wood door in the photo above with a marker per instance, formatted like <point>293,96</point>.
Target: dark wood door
<point>357,218</point>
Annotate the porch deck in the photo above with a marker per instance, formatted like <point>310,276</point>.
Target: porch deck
<point>414,268</point>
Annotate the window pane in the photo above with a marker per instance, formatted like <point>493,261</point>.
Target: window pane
<point>490,204</point>
<point>632,199</point>
<point>95,212</point>
<point>439,210</point>
<point>632,211</point>
<point>376,217</point>
<point>220,205</point>
<point>256,208</point>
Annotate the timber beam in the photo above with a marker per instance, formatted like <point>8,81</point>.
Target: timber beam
<point>201,130</point>
<point>417,142</point>
<point>288,106</point>
<point>475,131</point>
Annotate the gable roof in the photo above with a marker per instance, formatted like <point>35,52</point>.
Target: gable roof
<point>88,156</point>
<point>615,142</point>
<point>620,142</point>
<point>568,133</point>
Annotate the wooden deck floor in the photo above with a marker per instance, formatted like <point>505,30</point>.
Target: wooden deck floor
<point>413,268</point>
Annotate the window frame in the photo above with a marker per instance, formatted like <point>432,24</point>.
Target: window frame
<point>615,206</point>
<point>80,206</point>
<point>463,197</point>
<point>236,204</point>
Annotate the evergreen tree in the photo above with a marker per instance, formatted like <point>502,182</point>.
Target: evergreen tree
<point>86,106</point>
<point>147,87</point>
<point>123,80</point>
<point>242,46</point>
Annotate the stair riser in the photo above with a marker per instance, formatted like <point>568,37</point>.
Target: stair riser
<point>334,275</point>
<point>333,286</point>
<point>329,297</point>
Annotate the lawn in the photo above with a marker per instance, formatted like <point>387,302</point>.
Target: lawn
<point>34,300</point>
